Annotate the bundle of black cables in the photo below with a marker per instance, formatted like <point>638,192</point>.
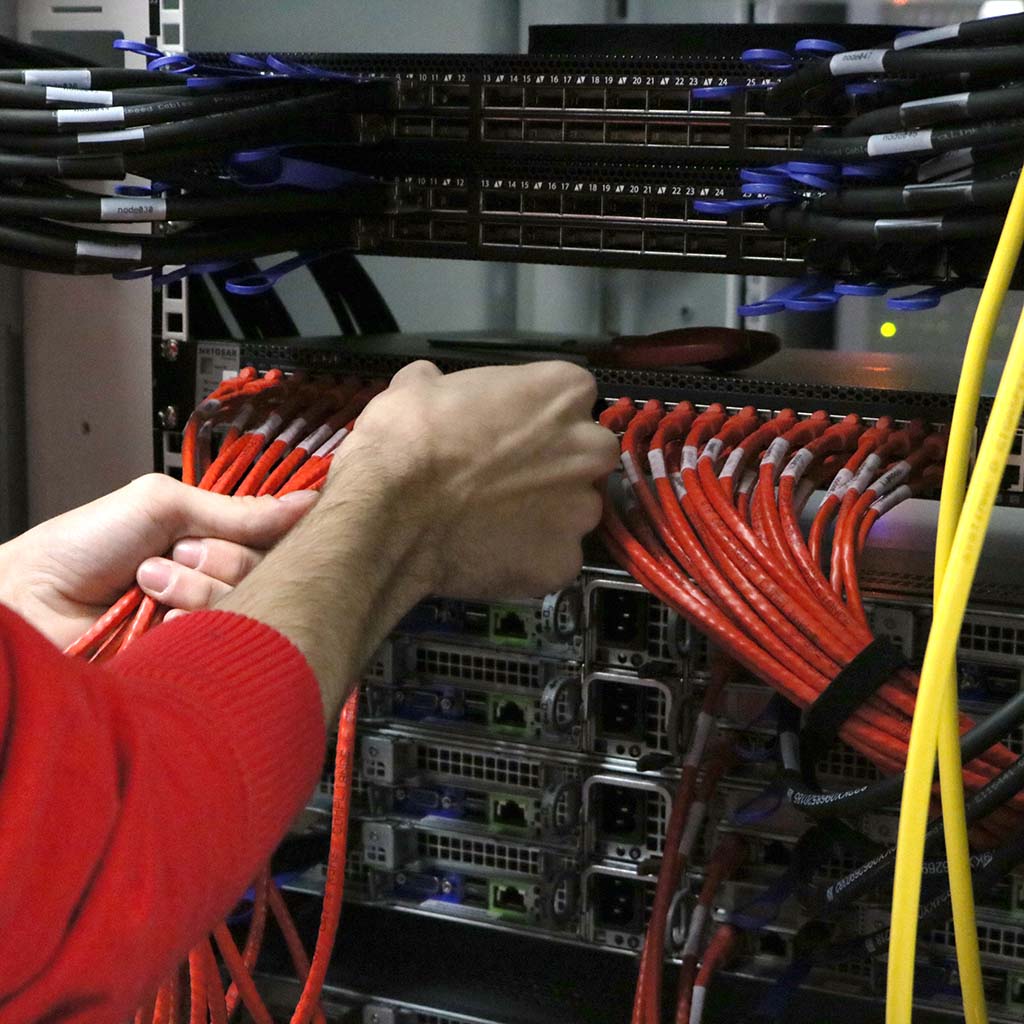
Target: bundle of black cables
<point>931,155</point>
<point>61,126</point>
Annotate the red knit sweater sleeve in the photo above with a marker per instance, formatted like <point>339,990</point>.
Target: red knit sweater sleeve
<point>138,799</point>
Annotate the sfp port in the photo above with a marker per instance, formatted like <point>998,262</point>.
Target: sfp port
<point>628,99</point>
<point>497,201</point>
<point>670,99</point>
<point>449,198</point>
<point>542,202</point>
<point>451,95</point>
<point>627,132</point>
<point>543,131</point>
<point>710,136</point>
<point>701,243</point>
<point>584,132</point>
<point>449,231</point>
<point>534,234</point>
<point>623,206</point>
<point>717,106</point>
<point>587,99</point>
<point>412,230</point>
<point>668,135</point>
<point>540,97</point>
<point>503,128</point>
<point>763,248</point>
<point>625,241</point>
<point>767,137</point>
<point>450,128</point>
<point>499,234</point>
<point>503,96</point>
<point>666,241</point>
<point>581,238</point>
<point>413,127</point>
<point>582,205</point>
<point>667,209</point>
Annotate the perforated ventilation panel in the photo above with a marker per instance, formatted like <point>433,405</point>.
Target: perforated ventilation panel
<point>480,853</point>
<point>467,764</point>
<point>506,671</point>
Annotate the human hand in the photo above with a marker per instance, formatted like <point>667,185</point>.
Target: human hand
<point>502,466</point>
<point>63,574</point>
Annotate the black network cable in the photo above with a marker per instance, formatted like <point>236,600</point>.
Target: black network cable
<point>159,109</point>
<point>190,132</point>
<point>801,221</point>
<point>916,143</point>
<point>927,197</point>
<point>358,199</point>
<point>838,895</point>
<point>886,792</point>
<point>904,58</point>
<point>977,105</point>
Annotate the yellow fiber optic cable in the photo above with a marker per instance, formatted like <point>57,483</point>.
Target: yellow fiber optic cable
<point>958,547</point>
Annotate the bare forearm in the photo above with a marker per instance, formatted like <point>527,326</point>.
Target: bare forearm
<point>343,577</point>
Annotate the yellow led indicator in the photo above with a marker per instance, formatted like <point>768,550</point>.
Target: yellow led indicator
<point>888,329</point>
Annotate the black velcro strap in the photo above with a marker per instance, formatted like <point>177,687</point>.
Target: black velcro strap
<point>855,684</point>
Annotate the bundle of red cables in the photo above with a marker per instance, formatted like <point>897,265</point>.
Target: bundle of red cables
<point>708,520</point>
<point>281,433</point>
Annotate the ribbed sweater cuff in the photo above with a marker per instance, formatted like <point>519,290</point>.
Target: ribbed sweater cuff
<point>261,690</point>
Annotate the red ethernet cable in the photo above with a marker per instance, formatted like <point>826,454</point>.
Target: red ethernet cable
<point>281,436</point>
<point>728,856</point>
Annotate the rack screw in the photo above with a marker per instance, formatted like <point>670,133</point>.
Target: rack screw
<point>168,417</point>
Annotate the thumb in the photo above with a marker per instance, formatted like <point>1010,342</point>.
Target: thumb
<point>255,522</point>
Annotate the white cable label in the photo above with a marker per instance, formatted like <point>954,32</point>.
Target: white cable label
<point>239,422</point>
<point>893,476</point>
<point>701,732</point>
<point>132,208</point>
<point>789,748</point>
<point>915,141</point>
<point>697,1004</point>
<point>69,78</point>
<point>689,460</point>
<point>656,460</point>
<point>955,103</point>
<point>839,482</point>
<point>871,465</point>
<point>292,432</point>
<point>858,62</point>
<point>85,97</point>
<point>893,498</point>
<point>109,251</point>
<point>777,451</point>
<point>693,823</point>
<point>697,921</point>
<point>713,449</point>
<point>747,481</point>
<point>96,115</point>
<point>931,35</point>
<point>799,464</point>
<point>270,426</point>
<point>329,445</point>
<point>121,135</point>
<point>629,467</point>
<point>317,438</point>
<point>732,463</point>
<point>678,486</point>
